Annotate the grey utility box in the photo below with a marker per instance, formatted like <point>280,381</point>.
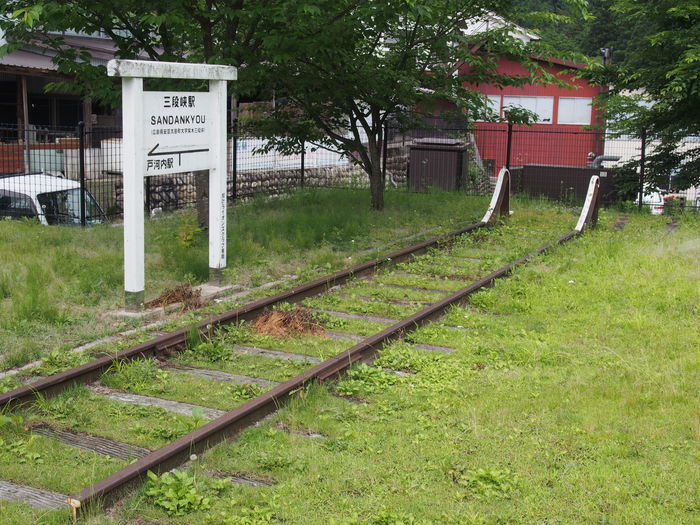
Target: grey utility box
<point>437,163</point>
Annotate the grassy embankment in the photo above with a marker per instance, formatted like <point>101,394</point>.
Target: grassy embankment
<point>55,283</point>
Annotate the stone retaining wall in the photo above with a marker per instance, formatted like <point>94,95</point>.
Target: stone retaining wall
<point>178,191</point>
<point>173,192</point>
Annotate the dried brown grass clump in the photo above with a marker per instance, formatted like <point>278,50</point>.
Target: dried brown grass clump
<point>185,294</point>
<point>287,323</point>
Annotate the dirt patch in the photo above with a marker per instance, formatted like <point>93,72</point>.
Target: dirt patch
<point>352,399</point>
<point>243,479</point>
<point>99,389</point>
<point>287,323</point>
<point>190,298</point>
<point>303,432</point>
<point>621,222</point>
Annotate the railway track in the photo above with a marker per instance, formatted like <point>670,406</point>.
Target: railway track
<point>156,404</point>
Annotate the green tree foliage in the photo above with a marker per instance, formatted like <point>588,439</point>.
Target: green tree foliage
<point>208,31</point>
<point>560,23</point>
<point>657,85</point>
<point>348,67</point>
<point>653,78</point>
<point>582,31</point>
<point>341,68</point>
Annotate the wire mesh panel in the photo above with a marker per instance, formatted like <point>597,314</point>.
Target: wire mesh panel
<point>35,149</point>
<point>262,168</point>
<point>461,157</point>
<point>555,147</point>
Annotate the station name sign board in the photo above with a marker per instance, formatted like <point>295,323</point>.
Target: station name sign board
<point>177,132</point>
<point>168,132</point>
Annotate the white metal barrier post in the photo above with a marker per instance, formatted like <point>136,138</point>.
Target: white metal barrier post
<point>165,133</point>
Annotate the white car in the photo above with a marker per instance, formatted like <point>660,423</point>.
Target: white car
<point>50,199</point>
<point>654,201</point>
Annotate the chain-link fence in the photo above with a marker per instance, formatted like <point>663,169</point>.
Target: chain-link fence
<point>74,175</point>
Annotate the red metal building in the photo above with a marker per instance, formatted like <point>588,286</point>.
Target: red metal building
<point>561,136</point>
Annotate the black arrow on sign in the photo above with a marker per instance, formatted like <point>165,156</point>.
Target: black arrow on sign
<point>153,153</point>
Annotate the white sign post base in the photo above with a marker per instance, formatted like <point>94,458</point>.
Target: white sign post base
<point>165,133</point>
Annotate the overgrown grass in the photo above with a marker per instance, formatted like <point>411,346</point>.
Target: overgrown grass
<point>24,457</point>
<point>80,410</point>
<point>573,398</point>
<point>247,365</point>
<point>145,378</point>
<point>388,293</point>
<point>355,306</point>
<point>56,281</point>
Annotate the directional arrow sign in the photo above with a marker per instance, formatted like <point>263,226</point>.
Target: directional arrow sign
<point>177,132</point>
<point>179,153</point>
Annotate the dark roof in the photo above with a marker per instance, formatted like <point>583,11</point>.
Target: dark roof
<point>36,57</point>
<point>28,60</point>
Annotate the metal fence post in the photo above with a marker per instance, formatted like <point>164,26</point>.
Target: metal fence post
<point>510,140</point>
<point>303,162</point>
<point>81,163</point>
<point>642,161</point>
<point>234,158</point>
<point>385,144</point>
<point>148,194</point>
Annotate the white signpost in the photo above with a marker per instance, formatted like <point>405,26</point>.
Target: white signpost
<point>170,132</point>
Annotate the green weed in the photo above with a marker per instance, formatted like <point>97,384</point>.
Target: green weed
<point>19,451</point>
<point>213,351</point>
<point>330,322</point>
<point>492,483</point>
<point>5,286</point>
<point>404,357</point>
<point>179,492</point>
<point>384,517</point>
<point>240,512</point>
<point>10,421</point>
<point>363,380</point>
<point>247,365</point>
<point>194,337</point>
<point>188,229</point>
<point>59,407</point>
<point>238,333</point>
<point>7,384</point>
<point>284,307</point>
<point>58,361</point>
<point>136,374</point>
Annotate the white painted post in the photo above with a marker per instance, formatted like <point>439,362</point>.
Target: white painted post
<point>217,183</point>
<point>502,175</point>
<point>588,209</point>
<point>134,273</point>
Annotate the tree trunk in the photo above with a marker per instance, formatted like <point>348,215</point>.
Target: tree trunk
<point>376,181</point>
<point>377,189</point>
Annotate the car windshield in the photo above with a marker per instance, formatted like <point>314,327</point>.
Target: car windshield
<point>653,198</point>
<point>15,205</point>
<point>63,207</point>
